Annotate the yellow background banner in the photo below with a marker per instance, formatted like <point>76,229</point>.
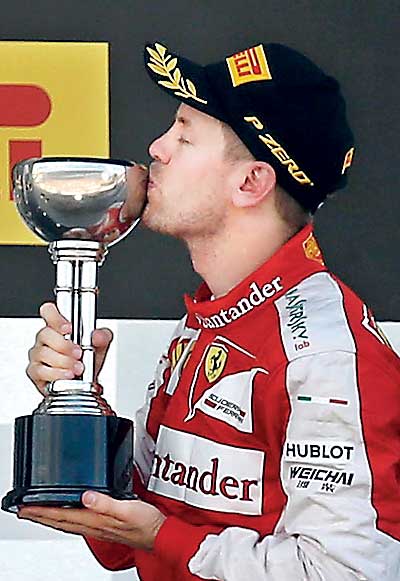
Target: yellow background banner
<point>54,100</point>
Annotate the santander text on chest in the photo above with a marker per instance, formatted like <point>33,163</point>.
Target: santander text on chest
<point>208,482</point>
<point>257,296</point>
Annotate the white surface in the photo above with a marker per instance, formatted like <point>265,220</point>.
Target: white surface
<point>30,552</point>
<point>392,332</point>
<point>55,560</point>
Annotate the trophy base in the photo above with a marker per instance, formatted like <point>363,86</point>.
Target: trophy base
<point>58,457</point>
<point>54,497</point>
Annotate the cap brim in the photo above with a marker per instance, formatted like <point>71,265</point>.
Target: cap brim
<point>181,78</point>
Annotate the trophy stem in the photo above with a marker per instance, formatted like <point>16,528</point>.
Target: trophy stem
<point>76,290</point>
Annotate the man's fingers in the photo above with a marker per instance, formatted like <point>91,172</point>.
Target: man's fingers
<point>105,505</point>
<point>51,338</point>
<point>74,517</point>
<point>41,374</point>
<point>52,358</point>
<point>55,357</point>
<point>132,522</point>
<point>54,319</point>
<point>76,521</point>
<point>102,534</point>
<point>66,527</point>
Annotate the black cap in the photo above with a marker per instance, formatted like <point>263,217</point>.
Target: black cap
<point>283,107</point>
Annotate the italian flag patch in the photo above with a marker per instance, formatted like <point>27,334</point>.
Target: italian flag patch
<point>323,400</point>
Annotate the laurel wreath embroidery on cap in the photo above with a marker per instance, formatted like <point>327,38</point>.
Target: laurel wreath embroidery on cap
<point>163,64</point>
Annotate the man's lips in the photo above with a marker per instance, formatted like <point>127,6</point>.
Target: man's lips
<point>152,183</point>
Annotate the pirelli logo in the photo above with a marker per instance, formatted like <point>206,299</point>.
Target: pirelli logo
<point>43,112</point>
<point>249,66</point>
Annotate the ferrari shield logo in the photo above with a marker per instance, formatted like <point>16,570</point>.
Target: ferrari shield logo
<point>215,361</point>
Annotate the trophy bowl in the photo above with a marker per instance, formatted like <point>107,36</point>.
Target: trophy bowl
<point>79,198</point>
<point>74,441</point>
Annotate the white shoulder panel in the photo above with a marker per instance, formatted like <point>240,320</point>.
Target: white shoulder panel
<point>312,318</point>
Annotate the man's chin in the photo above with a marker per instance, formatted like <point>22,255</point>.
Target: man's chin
<point>149,217</point>
<point>152,221</point>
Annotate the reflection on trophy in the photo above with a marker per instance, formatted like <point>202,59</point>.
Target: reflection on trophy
<point>74,441</point>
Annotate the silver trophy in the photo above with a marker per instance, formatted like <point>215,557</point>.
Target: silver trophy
<point>74,441</point>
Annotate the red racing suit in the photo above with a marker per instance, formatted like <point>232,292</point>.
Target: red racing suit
<point>270,435</point>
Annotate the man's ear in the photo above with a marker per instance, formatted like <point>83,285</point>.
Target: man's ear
<point>256,183</point>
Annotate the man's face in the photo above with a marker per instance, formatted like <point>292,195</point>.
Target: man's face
<point>188,187</point>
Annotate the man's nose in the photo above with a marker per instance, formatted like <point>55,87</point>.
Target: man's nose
<point>159,151</point>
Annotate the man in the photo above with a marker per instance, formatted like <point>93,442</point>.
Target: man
<point>268,444</point>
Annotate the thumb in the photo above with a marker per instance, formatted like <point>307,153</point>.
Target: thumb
<point>103,504</point>
<point>101,340</point>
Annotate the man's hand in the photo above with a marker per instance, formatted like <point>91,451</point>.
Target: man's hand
<point>54,357</point>
<point>131,522</point>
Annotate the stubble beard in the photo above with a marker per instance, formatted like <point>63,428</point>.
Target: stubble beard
<point>186,224</point>
<point>156,221</point>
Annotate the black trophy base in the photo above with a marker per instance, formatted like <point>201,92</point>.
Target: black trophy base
<point>58,457</point>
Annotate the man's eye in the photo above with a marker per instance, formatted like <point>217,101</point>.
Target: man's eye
<point>183,140</point>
